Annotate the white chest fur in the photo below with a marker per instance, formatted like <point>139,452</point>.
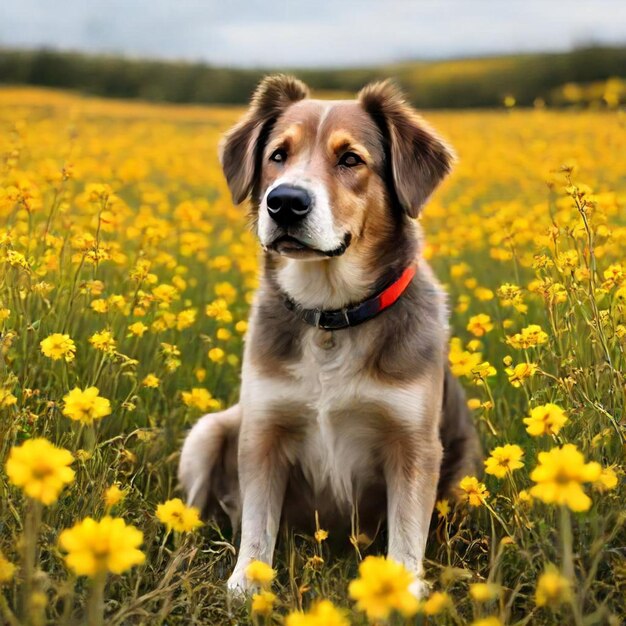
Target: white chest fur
<point>346,411</point>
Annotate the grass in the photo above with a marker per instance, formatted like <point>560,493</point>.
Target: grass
<point>114,213</point>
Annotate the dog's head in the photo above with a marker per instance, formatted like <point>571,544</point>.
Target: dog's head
<point>326,176</point>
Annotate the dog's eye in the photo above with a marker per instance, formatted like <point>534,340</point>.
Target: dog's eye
<point>279,156</point>
<point>350,159</point>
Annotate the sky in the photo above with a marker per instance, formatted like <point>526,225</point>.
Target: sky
<point>306,33</point>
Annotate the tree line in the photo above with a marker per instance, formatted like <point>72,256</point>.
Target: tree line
<point>458,83</point>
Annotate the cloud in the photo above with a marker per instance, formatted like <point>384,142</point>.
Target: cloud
<point>317,32</point>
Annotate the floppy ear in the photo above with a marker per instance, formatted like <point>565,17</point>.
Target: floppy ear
<point>419,157</point>
<point>240,147</point>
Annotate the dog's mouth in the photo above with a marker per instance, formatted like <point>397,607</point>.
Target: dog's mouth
<point>292,247</point>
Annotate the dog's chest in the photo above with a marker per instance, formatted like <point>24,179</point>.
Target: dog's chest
<point>331,366</point>
<point>334,386</point>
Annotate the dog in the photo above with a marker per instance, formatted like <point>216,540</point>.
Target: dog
<point>347,407</point>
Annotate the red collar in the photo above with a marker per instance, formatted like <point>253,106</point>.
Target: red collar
<point>354,315</point>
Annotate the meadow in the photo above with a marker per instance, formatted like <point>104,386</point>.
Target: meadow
<point>125,281</point>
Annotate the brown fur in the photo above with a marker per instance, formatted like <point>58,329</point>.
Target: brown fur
<point>419,158</point>
<point>238,150</point>
<point>358,197</point>
<point>276,333</point>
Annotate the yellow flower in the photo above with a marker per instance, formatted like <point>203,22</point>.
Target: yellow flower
<point>6,398</point>
<point>483,294</point>
<point>227,291</point>
<point>100,305</point>
<point>200,398</point>
<point>221,263</point>
<point>119,302</point>
<point>321,535</point>
<point>165,294</point>
<point>241,327</point>
<point>475,492</point>
<point>151,381</point>
<point>40,469</point>
<point>518,374</point>
<point>260,573</point>
<point>216,355</point>
<point>462,362</point>
<point>480,325</point>
<point>462,304</point>
<point>474,345</point>
<point>443,507</point>
<point>185,319</point>
<point>560,474</point>
<point>556,293</point>
<point>323,613</point>
<point>263,603</point>
<point>487,621</point>
<point>511,295</point>
<point>17,259</point>
<point>504,459</point>
<point>138,329</point>
<point>552,588</point>
<point>524,498</point>
<point>459,269</point>
<point>482,371</point>
<point>95,287</point>
<point>113,495</point>
<point>383,587</point>
<point>529,337</point>
<point>85,405</point>
<point>223,334</point>
<point>547,419</point>
<point>7,569</point>
<point>315,562</point>
<point>607,480</point>
<point>98,191</point>
<point>218,310</point>
<point>178,516</point>
<point>58,346</point>
<point>108,545</point>
<point>103,341</point>
<point>438,602</point>
<point>614,274</point>
<point>484,592</point>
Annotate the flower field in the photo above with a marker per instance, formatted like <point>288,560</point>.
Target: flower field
<point>125,280</point>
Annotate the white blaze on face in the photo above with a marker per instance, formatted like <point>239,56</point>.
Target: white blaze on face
<point>317,230</point>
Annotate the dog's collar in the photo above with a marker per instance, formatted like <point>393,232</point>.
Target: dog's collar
<point>359,313</point>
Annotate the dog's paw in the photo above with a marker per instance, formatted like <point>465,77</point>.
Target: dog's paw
<point>238,585</point>
<point>419,588</point>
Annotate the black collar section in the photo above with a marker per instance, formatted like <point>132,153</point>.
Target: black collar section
<point>338,319</point>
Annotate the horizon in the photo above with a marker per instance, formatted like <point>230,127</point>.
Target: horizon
<point>415,60</point>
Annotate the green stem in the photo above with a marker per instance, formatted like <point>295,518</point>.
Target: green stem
<point>497,517</point>
<point>6,613</point>
<point>568,562</point>
<point>29,558</point>
<point>95,606</point>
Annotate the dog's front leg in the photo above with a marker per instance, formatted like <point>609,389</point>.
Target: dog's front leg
<point>412,473</point>
<point>263,474</point>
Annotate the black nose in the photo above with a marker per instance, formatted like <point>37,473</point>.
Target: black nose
<point>287,204</point>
